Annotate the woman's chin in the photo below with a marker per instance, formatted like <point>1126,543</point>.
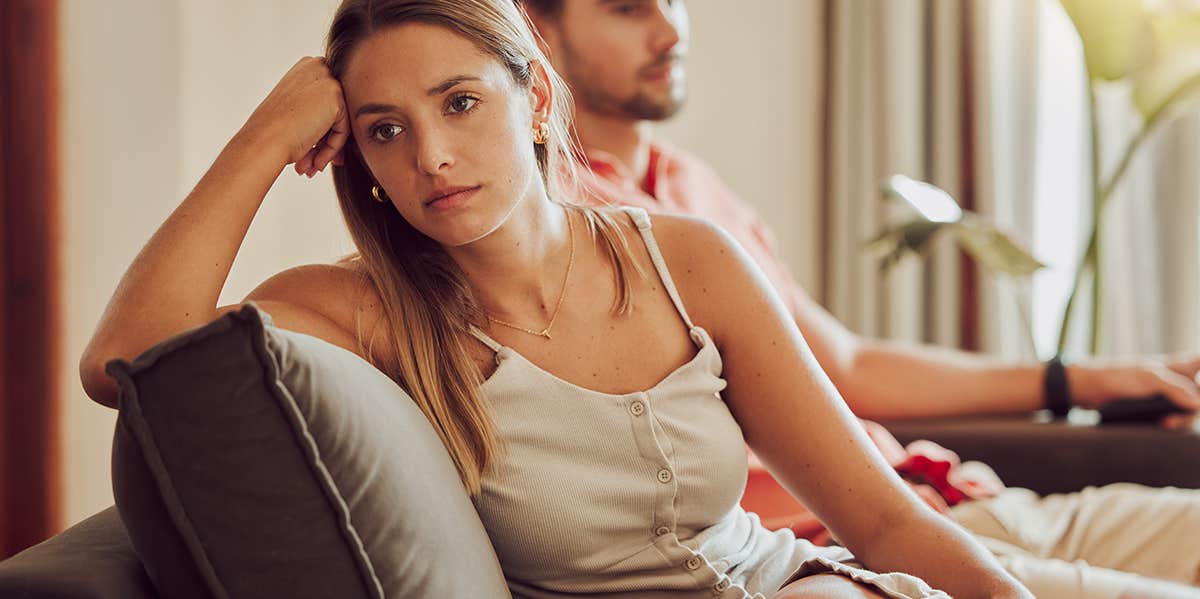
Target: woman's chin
<point>464,229</point>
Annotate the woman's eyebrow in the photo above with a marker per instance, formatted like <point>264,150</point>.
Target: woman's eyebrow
<point>379,108</point>
<point>449,83</point>
<point>375,109</point>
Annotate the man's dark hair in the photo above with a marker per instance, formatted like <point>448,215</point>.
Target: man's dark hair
<point>546,8</point>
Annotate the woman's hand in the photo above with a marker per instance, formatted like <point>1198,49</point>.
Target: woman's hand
<point>1095,383</point>
<point>306,114</point>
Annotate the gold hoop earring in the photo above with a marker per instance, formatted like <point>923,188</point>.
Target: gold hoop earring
<point>541,134</point>
<point>378,198</point>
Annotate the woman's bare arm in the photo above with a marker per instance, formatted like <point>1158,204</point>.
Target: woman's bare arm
<point>174,282</point>
<point>798,425</point>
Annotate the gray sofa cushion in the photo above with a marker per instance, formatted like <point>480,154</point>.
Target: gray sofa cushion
<point>91,560</point>
<point>253,461</point>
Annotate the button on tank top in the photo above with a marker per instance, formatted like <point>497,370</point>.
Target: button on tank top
<point>632,495</point>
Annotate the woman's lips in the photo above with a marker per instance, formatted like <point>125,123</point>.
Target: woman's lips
<point>453,200</point>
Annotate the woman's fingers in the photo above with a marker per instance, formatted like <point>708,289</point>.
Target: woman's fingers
<point>304,166</point>
<point>331,145</point>
<point>328,149</point>
<point>303,109</point>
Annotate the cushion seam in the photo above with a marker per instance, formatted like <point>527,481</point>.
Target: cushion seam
<point>132,409</point>
<point>312,454</point>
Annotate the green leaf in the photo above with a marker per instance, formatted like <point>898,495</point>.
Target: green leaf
<point>996,251</point>
<point>894,243</point>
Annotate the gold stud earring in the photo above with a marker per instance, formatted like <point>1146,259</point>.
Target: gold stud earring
<point>381,198</point>
<point>541,134</point>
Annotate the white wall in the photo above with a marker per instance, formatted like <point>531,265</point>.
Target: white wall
<point>153,90</point>
<point>120,144</point>
<point>755,74</point>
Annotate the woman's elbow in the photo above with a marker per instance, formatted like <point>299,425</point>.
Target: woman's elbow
<point>96,382</point>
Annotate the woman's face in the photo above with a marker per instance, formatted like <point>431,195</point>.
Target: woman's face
<point>432,114</point>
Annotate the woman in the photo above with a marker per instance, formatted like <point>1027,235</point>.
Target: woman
<point>594,374</point>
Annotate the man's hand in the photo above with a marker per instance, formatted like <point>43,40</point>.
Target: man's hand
<point>1095,383</point>
<point>931,497</point>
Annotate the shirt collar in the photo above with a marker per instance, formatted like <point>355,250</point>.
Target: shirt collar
<point>609,166</point>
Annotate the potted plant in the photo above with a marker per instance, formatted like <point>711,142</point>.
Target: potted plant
<point>1149,49</point>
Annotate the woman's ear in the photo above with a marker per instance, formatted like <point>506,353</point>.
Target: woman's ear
<point>541,94</point>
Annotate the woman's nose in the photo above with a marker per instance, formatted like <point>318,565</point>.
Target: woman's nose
<point>433,154</point>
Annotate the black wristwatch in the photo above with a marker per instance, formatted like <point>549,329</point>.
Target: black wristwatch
<point>1057,391</point>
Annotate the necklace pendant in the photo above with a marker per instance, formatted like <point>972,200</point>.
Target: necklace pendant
<point>566,277</point>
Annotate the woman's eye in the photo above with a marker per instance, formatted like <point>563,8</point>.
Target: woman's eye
<point>386,132</point>
<point>462,103</point>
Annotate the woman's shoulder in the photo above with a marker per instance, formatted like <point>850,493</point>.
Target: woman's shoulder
<point>324,289</point>
<point>679,225</point>
<point>708,267</point>
<point>692,240</point>
<point>312,296</point>
<point>338,290</point>
<point>687,243</point>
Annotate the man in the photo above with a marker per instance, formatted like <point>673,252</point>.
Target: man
<point>623,60</point>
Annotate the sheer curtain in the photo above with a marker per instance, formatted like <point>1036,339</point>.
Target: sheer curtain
<point>1150,257</point>
<point>942,91</point>
<point>1149,253</point>
<point>988,100</point>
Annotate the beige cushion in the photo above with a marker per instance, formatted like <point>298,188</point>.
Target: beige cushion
<point>252,461</point>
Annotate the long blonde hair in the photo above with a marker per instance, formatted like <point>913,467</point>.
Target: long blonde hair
<point>427,300</point>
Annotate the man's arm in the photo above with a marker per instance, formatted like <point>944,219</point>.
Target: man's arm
<point>892,380</point>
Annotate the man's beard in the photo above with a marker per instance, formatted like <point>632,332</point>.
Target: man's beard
<point>642,106</point>
<point>645,108</point>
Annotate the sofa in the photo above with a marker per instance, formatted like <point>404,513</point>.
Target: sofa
<point>253,461</point>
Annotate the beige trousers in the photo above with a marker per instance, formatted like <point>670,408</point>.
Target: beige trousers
<point>1091,543</point>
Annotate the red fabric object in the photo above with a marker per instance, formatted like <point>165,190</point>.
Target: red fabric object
<point>931,464</point>
<point>926,470</point>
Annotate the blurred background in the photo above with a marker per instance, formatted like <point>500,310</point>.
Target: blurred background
<point>113,110</point>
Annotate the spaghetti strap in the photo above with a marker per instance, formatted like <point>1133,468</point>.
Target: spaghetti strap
<point>485,339</point>
<point>642,219</point>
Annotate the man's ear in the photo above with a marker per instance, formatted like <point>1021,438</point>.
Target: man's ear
<point>541,93</point>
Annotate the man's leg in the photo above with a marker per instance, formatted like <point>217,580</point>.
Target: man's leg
<point>1057,579</point>
<point>1126,527</point>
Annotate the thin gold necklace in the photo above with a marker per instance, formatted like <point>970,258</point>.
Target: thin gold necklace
<point>553,316</point>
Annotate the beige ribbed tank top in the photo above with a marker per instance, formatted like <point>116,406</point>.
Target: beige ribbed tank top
<point>632,495</point>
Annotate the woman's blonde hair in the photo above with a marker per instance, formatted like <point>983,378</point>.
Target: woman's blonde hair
<point>427,300</point>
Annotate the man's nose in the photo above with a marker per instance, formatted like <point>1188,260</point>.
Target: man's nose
<point>669,27</point>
